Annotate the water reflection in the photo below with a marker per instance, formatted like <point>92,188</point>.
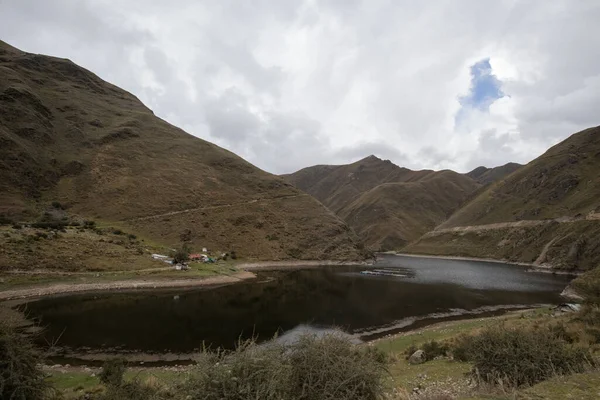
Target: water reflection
<point>359,304</point>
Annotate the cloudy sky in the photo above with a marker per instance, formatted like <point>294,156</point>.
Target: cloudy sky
<point>288,84</point>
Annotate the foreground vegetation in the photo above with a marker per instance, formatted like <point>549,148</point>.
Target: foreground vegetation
<point>531,355</point>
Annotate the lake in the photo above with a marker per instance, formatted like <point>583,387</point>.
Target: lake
<point>397,293</point>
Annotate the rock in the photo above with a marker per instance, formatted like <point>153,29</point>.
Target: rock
<point>570,294</point>
<point>418,357</point>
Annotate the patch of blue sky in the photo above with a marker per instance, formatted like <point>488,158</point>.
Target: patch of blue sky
<point>485,89</point>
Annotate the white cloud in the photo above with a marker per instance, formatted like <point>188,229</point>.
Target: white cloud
<point>288,84</point>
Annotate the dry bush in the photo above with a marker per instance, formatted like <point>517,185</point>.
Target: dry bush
<point>20,377</point>
<point>332,368</point>
<point>513,358</point>
<point>112,372</point>
<point>329,367</point>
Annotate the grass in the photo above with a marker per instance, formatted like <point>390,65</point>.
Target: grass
<point>585,386</point>
<point>436,377</point>
<point>73,384</point>
<point>87,256</point>
<point>328,367</point>
<point>446,376</point>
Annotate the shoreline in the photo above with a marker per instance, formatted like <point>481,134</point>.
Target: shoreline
<point>545,269</point>
<point>149,360</point>
<point>296,264</point>
<point>123,285</point>
<point>244,273</point>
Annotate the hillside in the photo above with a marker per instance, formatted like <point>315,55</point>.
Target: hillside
<point>547,212</point>
<point>67,136</point>
<point>386,205</point>
<point>564,181</point>
<point>486,176</point>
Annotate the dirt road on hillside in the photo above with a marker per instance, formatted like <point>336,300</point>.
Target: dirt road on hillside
<point>244,203</point>
<point>517,224</point>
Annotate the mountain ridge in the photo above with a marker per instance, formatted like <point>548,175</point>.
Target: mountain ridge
<point>69,137</point>
<point>383,202</point>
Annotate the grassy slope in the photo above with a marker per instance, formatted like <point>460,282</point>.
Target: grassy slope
<point>31,257</point>
<point>68,136</point>
<point>385,204</point>
<point>562,182</point>
<point>391,214</point>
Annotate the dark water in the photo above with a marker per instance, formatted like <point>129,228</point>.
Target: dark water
<point>417,289</point>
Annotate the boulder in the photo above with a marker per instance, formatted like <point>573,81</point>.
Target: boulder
<point>418,357</point>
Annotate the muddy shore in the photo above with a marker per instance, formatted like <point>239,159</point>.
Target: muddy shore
<point>138,284</point>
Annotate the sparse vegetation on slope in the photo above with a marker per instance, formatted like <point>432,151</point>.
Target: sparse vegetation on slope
<point>547,212</point>
<point>564,181</point>
<point>69,140</point>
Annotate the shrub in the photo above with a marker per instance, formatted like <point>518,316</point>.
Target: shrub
<point>57,205</point>
<point>112,372</point>
<point>4,220</point>
<point>410,350</point>
<point>182,254</point>
<point>520,357</point>
<point>89,224</point>
<point>133,390</point>
<point>250,372</point>
<point>330,367</point>
<point>17,226</point>
<point>435,349</point>
<point>131,236</point>
<point>233,255</point>
<point>58,225</point>
<point>20,377</point>
<point>117,232</point>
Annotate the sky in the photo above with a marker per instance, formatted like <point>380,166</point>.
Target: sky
<point>289,84</point>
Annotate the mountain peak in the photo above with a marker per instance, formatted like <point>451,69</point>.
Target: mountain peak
<point>371,158</point>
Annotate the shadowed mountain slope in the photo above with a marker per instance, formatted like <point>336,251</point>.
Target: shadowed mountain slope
<point>68,136</point>
<point>386,205</point>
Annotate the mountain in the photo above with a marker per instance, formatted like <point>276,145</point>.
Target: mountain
<point>386,205</point>
<point>67,136</point>
<point>547,212</point>
<point>486,176</point>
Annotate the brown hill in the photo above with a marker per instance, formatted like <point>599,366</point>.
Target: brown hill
<point>564,181</point>
<point>546,212</point>
<point>67,136</point>
<point>486,176</point>
<point>386,205</point>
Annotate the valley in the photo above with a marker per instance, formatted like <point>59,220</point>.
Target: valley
<point>122,237</point>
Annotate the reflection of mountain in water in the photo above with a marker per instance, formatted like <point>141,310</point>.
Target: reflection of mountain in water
<point>322,298</point>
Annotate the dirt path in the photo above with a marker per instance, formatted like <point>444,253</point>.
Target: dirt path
<point>61,288</point>
<point>244,203</point>
<point>491,260</point>
<point>517,224</point>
